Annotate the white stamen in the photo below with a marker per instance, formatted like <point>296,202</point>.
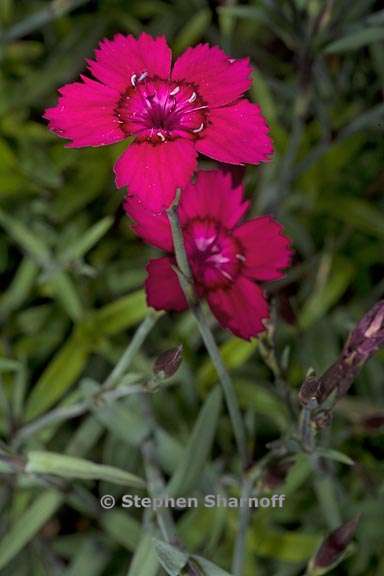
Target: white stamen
<point>192,98</point>
<point>240,257</point>
<point>199,129</point>
<point>175,91</point>
<point>226,275</point>
<point>161,136</point>
<point>133,79</point>
<point>203,243</point>
<point>142,76</point>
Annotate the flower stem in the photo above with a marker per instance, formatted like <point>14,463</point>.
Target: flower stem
<point>186,281</point>
<point>133,347</point>
<point>240,544</point>
<point>105,393</point>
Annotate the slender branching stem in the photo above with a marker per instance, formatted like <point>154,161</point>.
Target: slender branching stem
<point>104,394</point>
<point>133,347</point>
<point>244,518</point>
<point>186,281</point>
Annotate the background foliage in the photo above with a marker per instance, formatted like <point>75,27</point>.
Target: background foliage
<point>71,276</point>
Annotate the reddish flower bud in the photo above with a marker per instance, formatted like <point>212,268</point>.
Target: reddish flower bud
<point>167,364</point>
<point>275,474</point>
<point>373,422</point>
<point>333,548</point>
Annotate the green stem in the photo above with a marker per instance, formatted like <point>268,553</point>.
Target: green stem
<point>155,483</point>
<point>104,393</point>
<point>240,544</point>
<point>68,412</point>
<point>186,281</point>
<point>134,346</point>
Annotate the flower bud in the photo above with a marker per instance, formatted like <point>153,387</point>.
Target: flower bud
<point>275,474</point>
<point>309,389</point>
<point>373,422</point>
<point>332,549</point>
<point>368,336</point>
<point>167,363</point>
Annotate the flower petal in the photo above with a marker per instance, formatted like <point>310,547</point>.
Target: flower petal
<point>266,250</point>
<point>153,172</point>
<point>236,134</point>
<point>240,308</point>
<point>162,286</point>
<point>152,228</point>
<point>85,114</point>
<point>218,79</point>
<point>118,59</point>
<point>213,195</point>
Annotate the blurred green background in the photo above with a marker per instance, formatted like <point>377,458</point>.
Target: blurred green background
<point>71,276</point>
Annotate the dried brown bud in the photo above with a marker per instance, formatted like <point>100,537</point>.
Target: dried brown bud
<point>309,389</point>
<point>333,548</point>
<point>373,422</point>
<point>368,336</point>
<point>167,364</point>
<point>365,339</point>
<point>275,474</point>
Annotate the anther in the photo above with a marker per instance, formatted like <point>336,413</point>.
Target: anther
<point>240,257</point>
<point>175,91</point>
<point>161,136</point>
<point>142,76</point>
<point>192,98</point>
<point>133,79</point>
<point>199,129</point>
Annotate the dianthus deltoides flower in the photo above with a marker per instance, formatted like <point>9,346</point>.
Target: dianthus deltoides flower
<point>173,113</point>
<point>226,257</point>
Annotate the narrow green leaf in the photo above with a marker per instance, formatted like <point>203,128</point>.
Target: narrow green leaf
<point>27,525</point>
<point>90,560</point>
<point>144,561</point>
<point>198,448</point>
<point>123,422</point>
<point>328,291</point>
<point>234,353</point>
<point>262,400</point>
<point>8,365</point>
<point>193,31</point>
<point>298,474</point>
<point>40,462</point>
<point>20,286</point>
<point>122,313</point>
<point>87,240</point>
<point>283,545</point>
<point>122,528</point>
<point>59,375</point>
<point>27,240</point>
<point>171,558</point>
<point>66,293</point>
<point>355,40</point>
<point>209,569</point>
<point>357,213</point>
<point>335,455</point>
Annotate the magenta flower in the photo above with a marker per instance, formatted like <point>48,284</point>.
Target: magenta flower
<point>225,257</point>
<point>172,113</point>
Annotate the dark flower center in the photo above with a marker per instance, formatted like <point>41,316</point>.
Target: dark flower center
<point>215,255</point>
<point>159,110</point>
